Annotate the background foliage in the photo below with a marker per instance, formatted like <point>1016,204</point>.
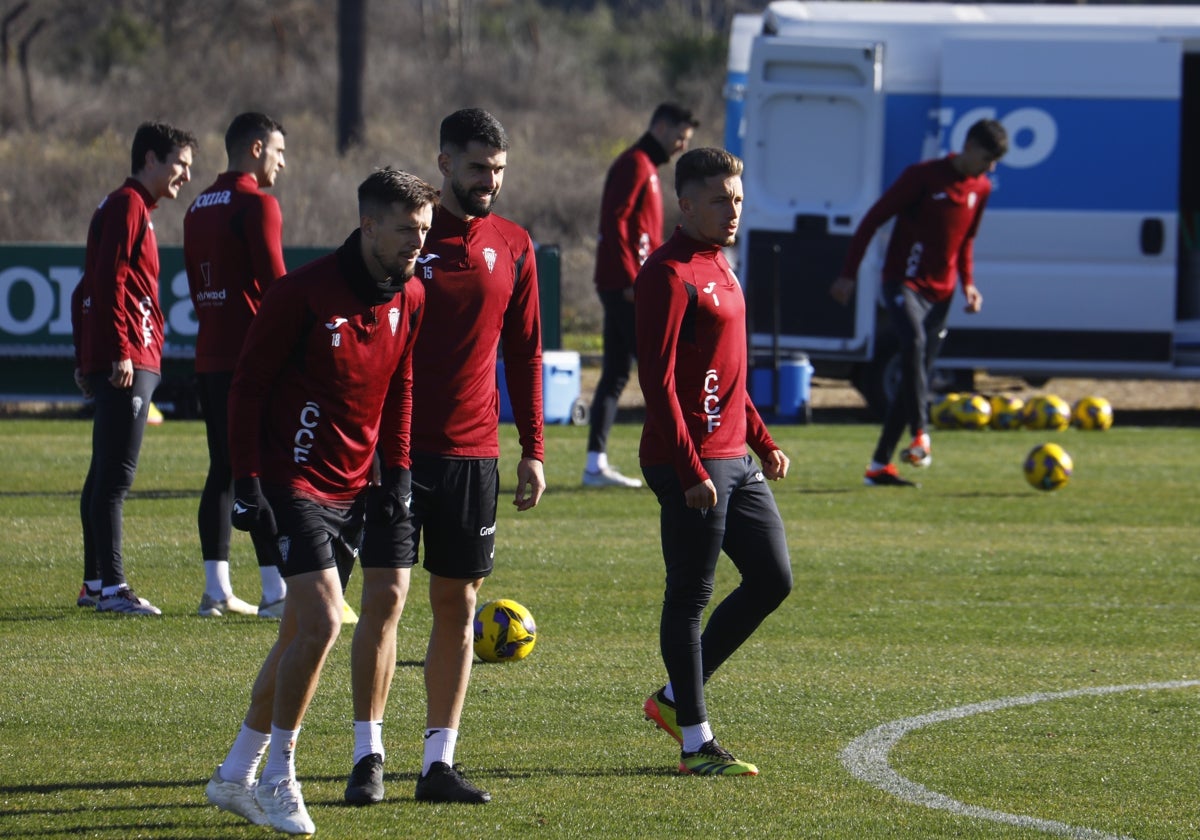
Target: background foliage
<point>573,82</point>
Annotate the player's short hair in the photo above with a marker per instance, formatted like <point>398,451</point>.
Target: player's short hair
<point>248,127</point>
<point>468,124</point>
<point>674,114</point>
<point>160,138</point>
<point>990,136</point>
<point>389,186</point>
<point>699,165</point>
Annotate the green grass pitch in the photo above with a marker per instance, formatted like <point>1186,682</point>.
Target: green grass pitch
<point>973,589</point>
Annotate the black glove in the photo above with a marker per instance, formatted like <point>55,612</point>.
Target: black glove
<point>251,510</point>
<point>388,503</point>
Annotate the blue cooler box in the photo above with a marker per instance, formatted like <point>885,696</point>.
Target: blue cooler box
<point>560,389</point>
<point>795,388</point>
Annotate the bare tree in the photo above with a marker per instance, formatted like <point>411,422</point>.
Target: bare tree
<point>352,46</point>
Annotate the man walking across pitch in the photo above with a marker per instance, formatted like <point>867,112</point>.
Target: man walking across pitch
<point>118,332</point>
<point>480,280</point>
<point>233,250</point>
<point>691,332</point>
<point>631,227</point>
<point>938,205</point>
<point>324,382</point>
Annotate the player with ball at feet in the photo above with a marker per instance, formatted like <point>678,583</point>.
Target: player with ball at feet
<point>691,336</point>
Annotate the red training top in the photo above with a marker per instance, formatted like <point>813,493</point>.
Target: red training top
<point>115,312</point>
<point>691,342</point>
<point>937,214</point>
<point>481,290</point>
<point>319,369</point>
<point>631,214</point>
<point>232,250</point>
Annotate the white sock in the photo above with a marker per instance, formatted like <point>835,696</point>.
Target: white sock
<point>247,751</point>
<point>439,746</point>
<point>93,585</point>
<point>368,738</point>
<point>273,585</point>
<point>875,465</point>
<point>597,461</point>
<point>281,756</point>
<point>669,693</point>
<point>216,580</point>
<point>695,737</point>
<point>113,590</point>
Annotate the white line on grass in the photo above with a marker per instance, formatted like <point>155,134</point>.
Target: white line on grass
<point>866,758</point>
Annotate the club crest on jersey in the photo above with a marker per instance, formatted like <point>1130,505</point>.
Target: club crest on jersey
<point>971,199</point>
<point>394,319</point>
<point>489,257</point>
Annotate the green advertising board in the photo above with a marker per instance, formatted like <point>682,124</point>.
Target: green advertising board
<point>36,282</point>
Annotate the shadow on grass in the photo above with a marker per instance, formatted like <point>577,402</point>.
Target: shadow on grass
<point>74,494</point>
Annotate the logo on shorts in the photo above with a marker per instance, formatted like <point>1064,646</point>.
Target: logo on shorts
<point>285,546</point>
<point>487,530</point>
<point>137,406</point>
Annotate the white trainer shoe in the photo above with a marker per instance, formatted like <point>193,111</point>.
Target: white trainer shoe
<point>126,602</point>
<point>608,477</point>
<point>272,610</point>
<point>234,797</point>
<point>284,807</point>
<point>212,607</point>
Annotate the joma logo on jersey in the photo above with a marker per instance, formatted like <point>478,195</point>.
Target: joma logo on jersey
<point>212,198</point>
<point>332,325</point>
<point>712,399</point>
<point>310,418</point>
<point>426,263</point>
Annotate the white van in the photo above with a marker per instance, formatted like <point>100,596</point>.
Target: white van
<point>1087,256</point>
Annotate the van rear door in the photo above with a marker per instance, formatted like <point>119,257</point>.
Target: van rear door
<point>813,151</point>
<point>1076,256</point>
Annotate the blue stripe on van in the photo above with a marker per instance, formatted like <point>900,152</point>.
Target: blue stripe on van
<point>1105,154</point>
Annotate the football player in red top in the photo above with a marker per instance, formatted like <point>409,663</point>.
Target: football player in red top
<point>480,278</point>
<point>233,250</point>
<point>118,330</point>
<point>937,205</point>
<point>323,390</point>
<point>631,228</point>
<point>691,334</point>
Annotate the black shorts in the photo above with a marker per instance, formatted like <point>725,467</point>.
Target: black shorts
<point>389,546</point>
<point>313,537</point>
<point>454,511</point>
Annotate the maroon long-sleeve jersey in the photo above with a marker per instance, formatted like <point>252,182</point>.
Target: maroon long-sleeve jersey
<point>937,214</point>
<point>631,215</point>
<point>232,250</point>
<point>322,379</point>
<point>115,312</point>
<point>481,292</point>
<point>691,341</point>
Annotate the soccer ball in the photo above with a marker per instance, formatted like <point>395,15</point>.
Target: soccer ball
<point>973,412</point>
<point>1049,412</point>
<point>1093,413</point>
<point>942,413</point>
<point>504,631</point>
<point>1006,412</point>
<point>1048,466</point>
